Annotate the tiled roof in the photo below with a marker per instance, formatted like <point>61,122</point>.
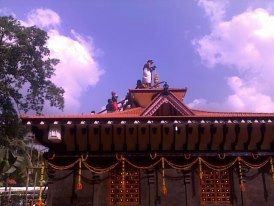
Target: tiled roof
<point>136,112</point>
<point>201,113</point>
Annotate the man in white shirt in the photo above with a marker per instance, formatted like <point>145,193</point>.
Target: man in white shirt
<point>147,73</point>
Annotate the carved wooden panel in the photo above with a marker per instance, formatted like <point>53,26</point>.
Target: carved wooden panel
<point>216,187</point>
<point>130,194</point>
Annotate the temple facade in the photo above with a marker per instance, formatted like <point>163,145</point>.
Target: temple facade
<point>155,150</point>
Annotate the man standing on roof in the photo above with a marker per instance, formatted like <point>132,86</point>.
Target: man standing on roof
<point>147,73</point>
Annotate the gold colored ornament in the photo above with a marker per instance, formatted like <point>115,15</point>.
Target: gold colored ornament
<point>79,183</point>
<point>123,174</point>
<point>40,201</point>
<point>272,168</point>
<point>241,179</point>
<point>156,80</point>
<point>164,187</point>
<point>200,168</point>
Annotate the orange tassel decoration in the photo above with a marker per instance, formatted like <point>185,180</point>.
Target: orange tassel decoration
<point>272,169</point>
<point>40,201</point>
<point>241,179</point>
<point>123,174</point>
<point>79,183</point>
<point>164,187</point>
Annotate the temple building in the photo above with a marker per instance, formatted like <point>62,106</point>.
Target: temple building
<point>155,150</point>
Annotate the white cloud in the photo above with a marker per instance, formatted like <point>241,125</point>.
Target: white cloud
<point>78,67</point>
<point>43,18</point>
<point>215,10</point>
<point>247,97</point>
<point>244,43</point>
<point>198,103</point>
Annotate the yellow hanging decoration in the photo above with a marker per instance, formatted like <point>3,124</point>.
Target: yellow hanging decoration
<point>164,187</point>
<point>79,183</point>
<point>241,179</point>
<point>200,168</point>
<point>123,174</point>
<point>40,201</point>
<point>272,168</point>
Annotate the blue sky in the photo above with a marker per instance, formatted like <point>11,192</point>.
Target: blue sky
<point>204,45</point>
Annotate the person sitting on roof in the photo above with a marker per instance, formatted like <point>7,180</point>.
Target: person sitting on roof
<point>114,98</point>
<point>109,106</point>
<point>127,102</point>
<point>139,84</point>
<point>147,73</point>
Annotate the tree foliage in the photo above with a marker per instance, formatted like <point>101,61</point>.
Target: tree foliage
<point>25,85</point>
<point>25,72</point>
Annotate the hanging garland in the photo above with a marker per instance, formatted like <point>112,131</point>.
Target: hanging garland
<point>219,167</point>
<point>200,168</point>
<point>181,167</point>
<point>255,166</point>
<point>79,183</point>
<point>164,187</point>
<point>143,167</point>
<point>241,179</point>
<point>40,201</point>
<point>69,166</point>
<point>201,161</point>
<point>272,169</point>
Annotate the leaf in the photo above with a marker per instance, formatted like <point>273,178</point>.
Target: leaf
<point>10,170</point>
<point>19,161</point>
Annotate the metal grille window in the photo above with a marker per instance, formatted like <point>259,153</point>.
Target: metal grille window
<point>216,187</point>
<point>130,195</point>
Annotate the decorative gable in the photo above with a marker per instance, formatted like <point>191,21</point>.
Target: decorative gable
<point>166,104</point>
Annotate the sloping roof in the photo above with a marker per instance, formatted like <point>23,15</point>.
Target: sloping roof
<point>169,98</point>
<point>155,102</point>
<point>202,113</point>
<point>136,113</point>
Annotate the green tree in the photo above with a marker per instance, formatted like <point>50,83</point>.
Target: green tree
<point>25,83</point>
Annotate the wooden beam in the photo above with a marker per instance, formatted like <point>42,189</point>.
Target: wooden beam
<point>112,138</point>
<point>249,134</point>
<point>213,130</point>
<point>262,130</point>
<point>75,138</point>
<point>188,131</point>
<point>225,130</point>
<point>100,138</point>
<point>87,136</point>
<point>200,132</point>
<point>137,143</point>
<point>162,138</point>
<point>149,138</point>
<point>237,129</point>
<point>174,137</point>
<point>125,138</point>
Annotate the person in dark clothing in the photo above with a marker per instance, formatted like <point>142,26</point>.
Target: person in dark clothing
<point>139,84</point>
<point>110,107</point>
